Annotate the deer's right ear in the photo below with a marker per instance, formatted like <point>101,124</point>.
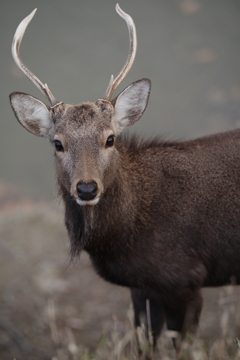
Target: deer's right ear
<point>32,114</point>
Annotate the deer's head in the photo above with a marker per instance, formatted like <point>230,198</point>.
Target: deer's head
<point>83,135</point>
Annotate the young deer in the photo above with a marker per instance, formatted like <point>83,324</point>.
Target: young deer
<point>162,218</point>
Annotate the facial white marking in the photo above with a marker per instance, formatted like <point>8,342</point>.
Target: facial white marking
<point>89,202</point>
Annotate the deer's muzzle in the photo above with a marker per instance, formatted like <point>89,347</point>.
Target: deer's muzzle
<point>87,191</point>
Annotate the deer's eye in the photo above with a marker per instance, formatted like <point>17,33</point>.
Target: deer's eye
<point>110,141</point>
<point>58,145</point>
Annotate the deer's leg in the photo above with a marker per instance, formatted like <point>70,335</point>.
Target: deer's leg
<point>156,312</point>
<point>183,317</point>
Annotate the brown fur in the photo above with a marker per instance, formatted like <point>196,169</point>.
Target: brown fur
<point>167,223</point>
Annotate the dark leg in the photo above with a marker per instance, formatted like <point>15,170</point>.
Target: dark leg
<point>183,317</point>
<point>157,316</point>
<point>175,316</point>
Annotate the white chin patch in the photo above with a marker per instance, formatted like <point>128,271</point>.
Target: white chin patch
<point>87,202</point>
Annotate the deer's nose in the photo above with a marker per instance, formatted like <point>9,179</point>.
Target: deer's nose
<point>87,191</point>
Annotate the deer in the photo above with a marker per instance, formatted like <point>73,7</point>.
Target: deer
<point>159,217</point>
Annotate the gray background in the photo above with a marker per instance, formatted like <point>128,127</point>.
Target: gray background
<point>190,50</point>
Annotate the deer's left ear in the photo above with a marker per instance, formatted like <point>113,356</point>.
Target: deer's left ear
<point>32,114</point>
<point>131,103</point>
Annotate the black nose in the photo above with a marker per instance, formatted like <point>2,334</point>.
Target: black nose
<point>87,191</point>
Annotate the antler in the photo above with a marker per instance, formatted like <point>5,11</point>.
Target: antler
<point>15,52</point>
<point>113,84</point>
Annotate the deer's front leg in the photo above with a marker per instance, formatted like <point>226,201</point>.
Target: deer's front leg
<point>148,313</point>
<point>183,318</point>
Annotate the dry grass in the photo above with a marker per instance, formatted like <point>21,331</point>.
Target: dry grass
<point>122,344</point>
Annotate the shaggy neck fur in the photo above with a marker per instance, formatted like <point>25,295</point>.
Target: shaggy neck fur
<point>96,228</point>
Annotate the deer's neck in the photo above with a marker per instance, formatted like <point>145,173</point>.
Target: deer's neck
<point>97,228</point>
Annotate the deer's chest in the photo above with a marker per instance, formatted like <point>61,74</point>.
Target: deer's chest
<point>127,268</point>
<point>117,271</point>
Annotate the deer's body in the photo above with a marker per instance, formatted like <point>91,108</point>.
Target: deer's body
<point>162,218</point>
<point>177,229</point>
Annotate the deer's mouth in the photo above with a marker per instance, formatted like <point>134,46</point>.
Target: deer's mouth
<point>88,202</point>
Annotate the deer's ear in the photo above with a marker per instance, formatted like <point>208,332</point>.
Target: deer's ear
<point>32,114</point>
<point>131,103</point>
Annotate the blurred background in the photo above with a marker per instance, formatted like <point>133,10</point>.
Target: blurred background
<point>190,49</point>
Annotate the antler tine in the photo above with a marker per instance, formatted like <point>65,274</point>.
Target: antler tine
<point>15,52</point>
<point>131,55</point>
